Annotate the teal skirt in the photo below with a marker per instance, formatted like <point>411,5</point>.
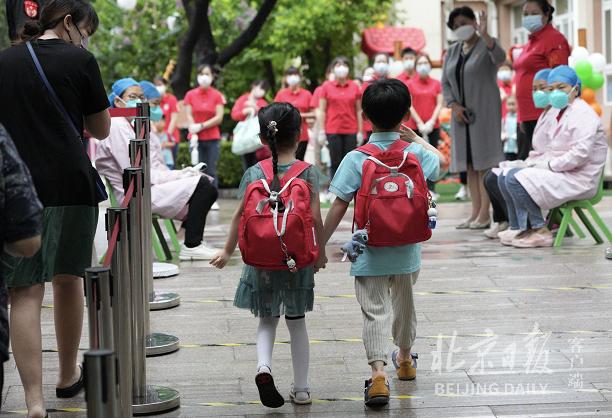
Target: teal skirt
<point>275,293</point>
<point>67,245</point>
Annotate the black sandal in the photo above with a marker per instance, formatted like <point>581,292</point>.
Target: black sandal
<point>71,391</point>
<point>268,394</point>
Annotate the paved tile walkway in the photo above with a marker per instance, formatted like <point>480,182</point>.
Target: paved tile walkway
<point>502,332</point>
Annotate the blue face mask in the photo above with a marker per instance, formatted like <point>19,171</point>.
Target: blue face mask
<point>559,99</point>
<point>156,114</point>
<point>132,103</point>
<point>540,99</point>
<point>533,23</point>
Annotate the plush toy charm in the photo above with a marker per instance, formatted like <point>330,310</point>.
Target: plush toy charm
<point>291,265</point>
<point>433,217</point>
<point>356,246</point>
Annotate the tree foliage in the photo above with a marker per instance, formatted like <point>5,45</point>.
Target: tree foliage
<point>139,43</point>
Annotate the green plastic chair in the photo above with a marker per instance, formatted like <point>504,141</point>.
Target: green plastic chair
<point>158,241</point>
<point>565,213</point>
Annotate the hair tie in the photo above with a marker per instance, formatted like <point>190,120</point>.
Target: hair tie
<point>272,127</point>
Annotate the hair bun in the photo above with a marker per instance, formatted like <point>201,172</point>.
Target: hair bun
<point>31,29</point>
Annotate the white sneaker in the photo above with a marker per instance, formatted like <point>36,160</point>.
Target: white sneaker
<point>494,231</point>
<point>323,197</point>
<point>434,196</point>
<point>462,194</point>
<point>215,206</point>
<point>506,237</point>
<point>201,252</point>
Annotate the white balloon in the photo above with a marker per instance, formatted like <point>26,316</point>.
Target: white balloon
<point>126,4</point>
<point>580,53</point>
<point>171,22</point>
<point>598,61</point>
<point>571,61</point>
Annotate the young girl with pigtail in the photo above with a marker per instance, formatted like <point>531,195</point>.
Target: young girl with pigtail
<point>269,294</point>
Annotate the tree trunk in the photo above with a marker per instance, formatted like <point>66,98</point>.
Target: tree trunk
<point>270,72</point>
<point>198,19</point>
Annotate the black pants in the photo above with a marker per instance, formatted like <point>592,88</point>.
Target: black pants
<point>339,145</point>
<point>301,150</point>
<point>248,160</point>
<point>510,156</point>
<point>434,140</point>
<point>500,211</point>
<point>200,202</point>
<point>463,177</point>
<point>524,138</point>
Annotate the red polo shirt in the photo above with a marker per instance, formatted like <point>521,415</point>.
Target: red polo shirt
<point>341,114</point>
<point>237,114</point>
<point>546,48</point>
<point>424,94</point>
<point>168,106</point>
<point>204,104</point>
<point>507,88</point>
<point>403,77</point>
<point>301,99</point>
<point>316,96</point>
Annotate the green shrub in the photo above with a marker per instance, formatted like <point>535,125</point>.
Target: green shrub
<point>183,157</point>
<point>229,167</point>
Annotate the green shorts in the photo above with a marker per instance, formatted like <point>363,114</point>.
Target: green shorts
<point>67,244</point>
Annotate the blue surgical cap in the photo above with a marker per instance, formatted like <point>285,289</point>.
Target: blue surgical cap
<point>542,74</point>
<point>149,90</point>
<point>564,74</point>
<point>119,87</point>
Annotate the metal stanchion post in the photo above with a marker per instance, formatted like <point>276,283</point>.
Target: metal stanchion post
<point>101,384</point>
<point>146,399</point>
<point>156,343</point>
<point>99,308</point>
<point>122,307</point>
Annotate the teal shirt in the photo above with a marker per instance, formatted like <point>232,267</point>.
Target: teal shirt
<point>382,261</point>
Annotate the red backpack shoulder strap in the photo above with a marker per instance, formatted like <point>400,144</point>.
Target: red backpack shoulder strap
<point>267,168</point>
<point>399,145</point>
<point>369,149</point>
<point>295,170</point>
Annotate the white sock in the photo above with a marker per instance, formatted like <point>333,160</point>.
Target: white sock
<point>300,351</point>
<point>266,334</point>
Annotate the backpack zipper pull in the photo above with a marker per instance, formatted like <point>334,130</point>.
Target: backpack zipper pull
<point>291,265</point>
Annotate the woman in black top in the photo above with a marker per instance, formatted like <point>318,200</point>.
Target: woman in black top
<point>64,181</point>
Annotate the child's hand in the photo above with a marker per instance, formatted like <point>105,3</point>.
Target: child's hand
<point>220,259</point>
<point>321,262</point>
<point>407,134</point>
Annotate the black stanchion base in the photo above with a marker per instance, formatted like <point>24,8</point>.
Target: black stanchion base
<point>158,399</point>
<point>164,301</point>
<point>159,344</point>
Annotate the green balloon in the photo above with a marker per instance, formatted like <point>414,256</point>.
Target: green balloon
<point>596,81</point>
<point>583,69</point>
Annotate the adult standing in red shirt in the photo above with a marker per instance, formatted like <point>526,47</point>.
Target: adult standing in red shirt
<point>168,105</point>
<point>204,106</point>
<point>409,57</point>
<point>427,103</point>
<point>546,48</point>
<point>381,70</point>
<point>340,110</point>
<point>301,99</point>
<point>248,105</point>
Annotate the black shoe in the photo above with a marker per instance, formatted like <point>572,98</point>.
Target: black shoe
<point>268,394</point>
<point>71,391</point>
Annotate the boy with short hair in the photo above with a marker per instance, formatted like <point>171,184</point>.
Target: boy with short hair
<point>384,276</point>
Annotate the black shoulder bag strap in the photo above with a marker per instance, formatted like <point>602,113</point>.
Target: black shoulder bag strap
<point>101,194</point>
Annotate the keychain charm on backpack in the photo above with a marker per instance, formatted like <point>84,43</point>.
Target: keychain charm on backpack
<point>291,265</point>
<point>356,246</point>
<point>432,213</point>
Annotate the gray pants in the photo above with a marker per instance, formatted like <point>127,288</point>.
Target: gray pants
<point>387,306</point>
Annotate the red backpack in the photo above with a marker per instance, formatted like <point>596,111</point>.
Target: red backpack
<point>276,230</point>
<point>393,200</point>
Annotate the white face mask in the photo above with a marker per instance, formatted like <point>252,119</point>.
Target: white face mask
<point>381,68</point>
<point>204,80</point>
<point>504,75</point>
<point>408,64</point>
<point>464,33</point>
<point>423,69</point>
<point>293,80</point>
<point>161,89</point>
<point>341,71</point>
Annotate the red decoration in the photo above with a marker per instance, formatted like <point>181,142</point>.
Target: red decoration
<point>375,40</point>
<point>31,9</point>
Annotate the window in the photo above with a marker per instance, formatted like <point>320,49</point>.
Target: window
<point>564,18</point>
<point>607,47</point>
<point>519,33</point>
